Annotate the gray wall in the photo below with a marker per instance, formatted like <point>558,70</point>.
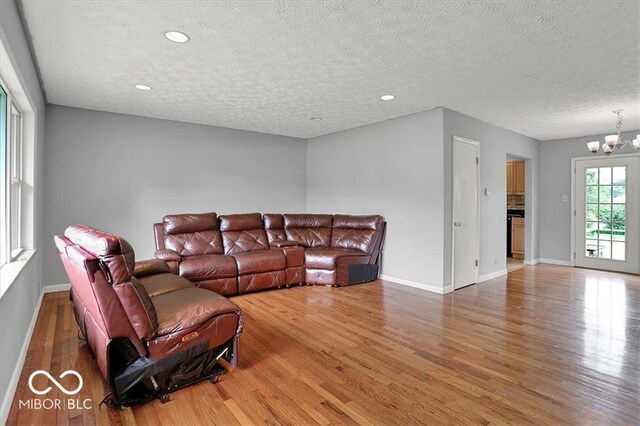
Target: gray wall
<point>496,144</point>
<point>555,181</point>
<point>122,173</point>
<point>18,304</point>
<point>393,168</point>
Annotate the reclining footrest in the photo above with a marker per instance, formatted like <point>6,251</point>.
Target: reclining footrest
<point>169,374</point>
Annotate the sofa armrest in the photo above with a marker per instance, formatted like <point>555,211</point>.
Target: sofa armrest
<point>150,267</point>
<point>167,255</point>
<point>282,243</point>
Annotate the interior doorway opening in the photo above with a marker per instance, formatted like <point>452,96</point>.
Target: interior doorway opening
<point>516,193</point>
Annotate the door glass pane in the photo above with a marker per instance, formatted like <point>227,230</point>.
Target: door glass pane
<point>592,176</point>
<point>618,194</point>
<point>618,231</point>
<point>618,213</point>
<point>605,176</point>
<point>605,213</point>
<point>592,212</point>
<point>618,250</point>
<point>592,248</point>
<point>619,174</point>
<point>592,194</point>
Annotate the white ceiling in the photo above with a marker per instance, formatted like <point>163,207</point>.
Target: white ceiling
<point>544,69</point>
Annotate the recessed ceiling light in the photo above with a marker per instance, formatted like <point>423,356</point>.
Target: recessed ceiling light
<point>387,97</point>
<point>316,118</point>
<point>142,87</point>
<point>177,36</point>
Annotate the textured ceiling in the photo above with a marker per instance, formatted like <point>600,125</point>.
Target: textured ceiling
<point>544,69</point>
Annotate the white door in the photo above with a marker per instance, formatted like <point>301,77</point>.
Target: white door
<point>465,212</point>
<point>607,211</point>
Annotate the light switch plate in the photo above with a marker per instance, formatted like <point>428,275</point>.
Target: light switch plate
<point>487,191</point>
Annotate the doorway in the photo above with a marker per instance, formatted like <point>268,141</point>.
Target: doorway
<point>466,239</point>
<point>515,209</point>
<point>606,210</point>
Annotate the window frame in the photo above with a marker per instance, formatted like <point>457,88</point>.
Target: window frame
<point>4,174</point>
<point>11,179</point>
<point>16,177</point>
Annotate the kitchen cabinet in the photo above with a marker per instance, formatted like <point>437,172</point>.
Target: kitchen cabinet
<point>510,177</point>
<point>515,177</point>
<point>517,237</point>
<point>518,177</point>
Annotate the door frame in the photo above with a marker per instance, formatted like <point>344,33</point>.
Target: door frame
<point>461,139</point>
<point>572,253</point>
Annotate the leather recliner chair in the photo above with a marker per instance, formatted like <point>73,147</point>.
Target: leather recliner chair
<point>151,331</point>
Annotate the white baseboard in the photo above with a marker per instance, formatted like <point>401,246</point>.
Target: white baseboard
<point>492,275</point>
<point>556,262</point>
<point>15,377</point>
<point>429,287</point>
<point>532,262</point>
<point>56,287</point>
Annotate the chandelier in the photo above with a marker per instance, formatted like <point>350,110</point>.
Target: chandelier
<point>612,142</point>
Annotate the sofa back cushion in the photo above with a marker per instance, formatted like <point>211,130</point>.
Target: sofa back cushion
<point>243,232</point>
<point>355,232</point>
<point>274,226</point>
<point>309,230</point>
<point>115,253</point>
<point>192,234</point>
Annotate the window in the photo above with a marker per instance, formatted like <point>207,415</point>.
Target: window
<point>11,176</point>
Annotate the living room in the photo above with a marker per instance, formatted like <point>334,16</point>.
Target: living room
<point>391,121</point>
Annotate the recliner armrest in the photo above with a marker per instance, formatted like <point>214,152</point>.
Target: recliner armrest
<point>282,243</point>
<point>150,267</point>
<point>167,254</point>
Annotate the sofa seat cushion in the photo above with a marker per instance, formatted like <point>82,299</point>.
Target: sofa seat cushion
<point>189,308</point>
<point>208,266</point>
<point>163,283</point>
<point>252,262</point>
<point>325,258</point>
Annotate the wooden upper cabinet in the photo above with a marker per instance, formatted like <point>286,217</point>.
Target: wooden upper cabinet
<point>518,173</point>
<point>515,178</point>
<point>510,177</point>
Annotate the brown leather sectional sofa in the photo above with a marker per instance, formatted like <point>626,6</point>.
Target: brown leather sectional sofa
<point>239,253</point>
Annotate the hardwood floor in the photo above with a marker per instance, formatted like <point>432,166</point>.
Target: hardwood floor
<point>547,345</point>
<point>513,264</point>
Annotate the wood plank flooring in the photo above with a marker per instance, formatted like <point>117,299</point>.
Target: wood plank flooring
<point>547,345</point>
